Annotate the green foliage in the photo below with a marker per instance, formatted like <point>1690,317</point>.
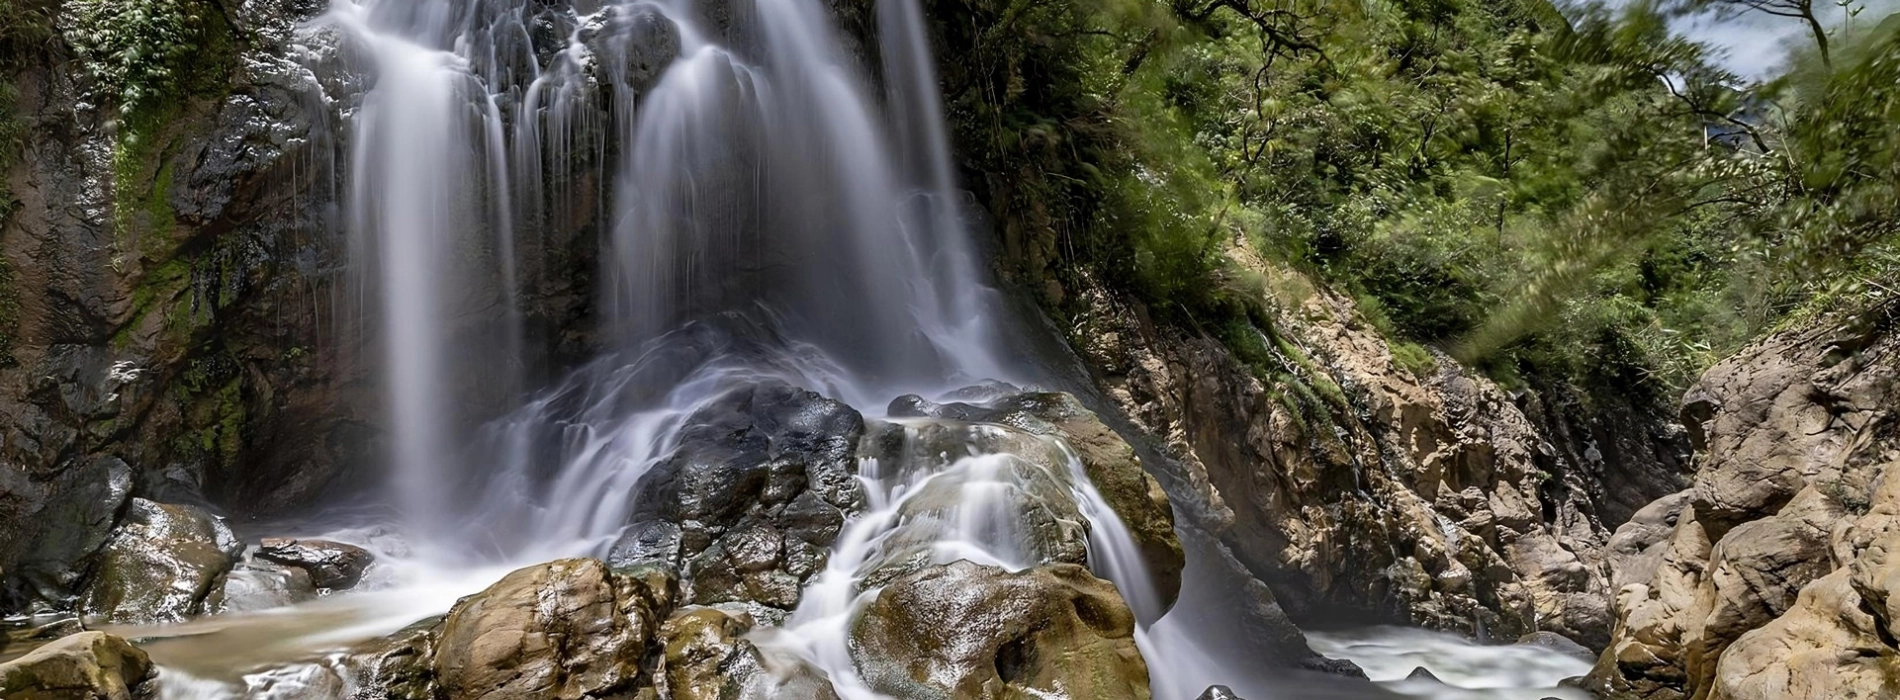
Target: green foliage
<point>1588,200</point>
<point>137,51</point>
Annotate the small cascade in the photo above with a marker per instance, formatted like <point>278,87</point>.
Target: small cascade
<point>984,493</point>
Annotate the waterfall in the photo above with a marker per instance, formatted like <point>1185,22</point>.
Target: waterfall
<point>761,212</point>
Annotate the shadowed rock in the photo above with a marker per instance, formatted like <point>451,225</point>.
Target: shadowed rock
<point>748,503</point>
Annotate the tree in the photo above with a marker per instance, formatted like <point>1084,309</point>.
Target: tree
<point>1793,9</point>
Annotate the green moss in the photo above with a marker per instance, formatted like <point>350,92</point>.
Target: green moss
<point>1414,358</point>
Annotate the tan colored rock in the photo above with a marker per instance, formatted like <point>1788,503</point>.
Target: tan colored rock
<point>1773,583</point>
<point>84,666</point>
<point>1338,474</point>
<point>565,630</point>
<point>1825,648</point>
<point>973,632</point>
<point>707,657</point>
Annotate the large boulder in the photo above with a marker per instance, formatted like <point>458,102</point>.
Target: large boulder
<point>748,503</point>
<point>161,564</point>
<point>566,630</point>
<point>1110,463</point>
<point>84,666</point>
<point>966,631</point>
<point>332,565</point>
<point>1826,647</point>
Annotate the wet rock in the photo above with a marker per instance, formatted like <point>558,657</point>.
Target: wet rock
<point>49,631</point>
<point>750,501</point>
<point>1422,674</point>
<point>1219,692</point>
<point>565,629</point>
<point>1109,461</point>
<point>968,631</point>
<point>332,565</point>
<point>398,667</point>
<point>261,585</point>
<point>76,525</point>
<point>707,657</point>
<point>641,40</point>
<point>85,666</point>
<point>161,564</point>
<point>1557,643</point>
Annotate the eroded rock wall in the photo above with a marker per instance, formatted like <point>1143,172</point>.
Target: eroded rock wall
<point>1770,576</point>
<point>1351,484</point>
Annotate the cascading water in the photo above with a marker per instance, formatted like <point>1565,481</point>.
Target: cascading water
<point>761,215</point>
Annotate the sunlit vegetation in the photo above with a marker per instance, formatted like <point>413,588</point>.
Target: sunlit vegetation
<point>1584,198</point>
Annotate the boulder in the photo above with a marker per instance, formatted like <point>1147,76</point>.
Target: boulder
<point>1557,643</point>
<point>84,666</point>
<point>1219,692</point>
<point>398,667</point>
<point>967,631</point>
<point>566,630</point>
<point>161,564</point>
<point>707,657</point>
<point>331,565</point>
<point>1109,461</point>
<point>748,503</point>
<point>1827,647</point>
<point>259,584</point>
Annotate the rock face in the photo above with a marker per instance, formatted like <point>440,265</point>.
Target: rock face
<point>967,631</point>
<point>161,564</point>
<point>1770,577</point>
<point>568,629</point>
<point>757,489</point>
<point>84,666</point>
<point>331,565</point>
<point>1342,479</point>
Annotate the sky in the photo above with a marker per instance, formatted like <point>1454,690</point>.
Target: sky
<point>1755,45</point>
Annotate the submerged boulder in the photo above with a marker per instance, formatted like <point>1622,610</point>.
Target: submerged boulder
<point>748,503</point>
<point>566,629</point>
<point>332,565</point>
<point>84,666</point>
<point>966,631</point>
<point>161,564</point>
